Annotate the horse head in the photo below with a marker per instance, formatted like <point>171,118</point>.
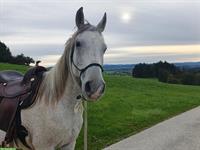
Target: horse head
<point>86,59</point>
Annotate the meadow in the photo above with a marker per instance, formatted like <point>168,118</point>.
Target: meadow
<point>131,105</point>
<point>20,68</point>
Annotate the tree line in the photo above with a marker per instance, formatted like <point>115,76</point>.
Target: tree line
<point>166,72</point>
<point>7,57</point>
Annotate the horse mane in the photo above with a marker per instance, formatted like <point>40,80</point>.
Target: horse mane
<point>55,80</point>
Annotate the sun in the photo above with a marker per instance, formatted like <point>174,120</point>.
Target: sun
<point>126,17</point>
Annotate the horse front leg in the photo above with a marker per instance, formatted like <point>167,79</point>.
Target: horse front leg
<point>70,146</point>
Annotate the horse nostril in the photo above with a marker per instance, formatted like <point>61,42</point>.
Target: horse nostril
<point>88,87</point>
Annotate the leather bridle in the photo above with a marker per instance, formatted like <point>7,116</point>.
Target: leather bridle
<point>85,68</point>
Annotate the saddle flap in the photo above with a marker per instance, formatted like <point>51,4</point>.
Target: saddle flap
<point>14,88</point>
<point>8,108</point>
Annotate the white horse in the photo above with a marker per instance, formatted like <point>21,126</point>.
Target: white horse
<point>55,120</point>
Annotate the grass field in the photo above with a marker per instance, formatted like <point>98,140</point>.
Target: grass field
<point>20,68</point>
<point>131,105</point>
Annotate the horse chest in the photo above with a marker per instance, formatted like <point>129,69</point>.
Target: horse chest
<point>65,131</point>
<point>68,124</point>
<point>54,126</point>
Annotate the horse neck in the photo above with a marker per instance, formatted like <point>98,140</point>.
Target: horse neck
<point>59,83</point>
<point>71,92</point>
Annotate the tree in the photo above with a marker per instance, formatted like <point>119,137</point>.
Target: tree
<point>197,79</point>
<point>188,78</point>
<point>166,72</point>
<point>163,75</point>
<point>153,70</point>
<point>143,71</point>
<point>28,60</point>
<point>5,54</point>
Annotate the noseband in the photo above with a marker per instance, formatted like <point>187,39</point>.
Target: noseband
<point>85,68</point>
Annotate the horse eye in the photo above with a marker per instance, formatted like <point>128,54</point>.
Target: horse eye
<point>78,43</point>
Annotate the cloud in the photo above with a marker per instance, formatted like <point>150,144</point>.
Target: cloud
<point>133,55</point>
<point>149,54</point>
<point>40,28</point>
<point>49,60</point>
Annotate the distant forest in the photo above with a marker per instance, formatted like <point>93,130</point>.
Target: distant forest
<point>166,72</point>
<point>7,57</point>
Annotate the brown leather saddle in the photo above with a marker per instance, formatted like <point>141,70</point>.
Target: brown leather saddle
<point>17,92</point>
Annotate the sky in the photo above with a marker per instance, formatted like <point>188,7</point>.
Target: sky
<point>137,31</point>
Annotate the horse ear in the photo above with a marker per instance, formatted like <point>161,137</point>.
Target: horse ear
<point>79,18</point>
<point>102,23</point>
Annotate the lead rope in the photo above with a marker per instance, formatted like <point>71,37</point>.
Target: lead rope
<point>85,125</point>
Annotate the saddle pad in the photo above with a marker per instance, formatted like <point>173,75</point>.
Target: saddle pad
<point>14,88</point>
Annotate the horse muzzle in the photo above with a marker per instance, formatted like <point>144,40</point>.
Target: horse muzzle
<point>93,90</point>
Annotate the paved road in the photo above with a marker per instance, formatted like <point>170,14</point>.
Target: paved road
<point>178,133</point>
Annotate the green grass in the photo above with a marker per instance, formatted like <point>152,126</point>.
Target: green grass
<point>20,68</point>
<point>131,105</point>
